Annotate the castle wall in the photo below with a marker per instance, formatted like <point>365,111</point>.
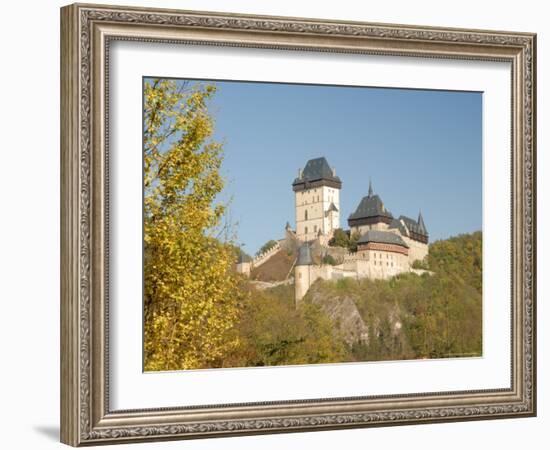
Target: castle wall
<point>417,250</point>
<point>362,229</point>
<point>244,268</point>
<point>376,264</point>
<point>302,281</point>
<point>316,202</point>
<point>310,201</point>
<point>332,220</point>
<point>372,264</point>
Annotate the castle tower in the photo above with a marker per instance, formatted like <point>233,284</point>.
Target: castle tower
<point>302,272</point>
<point>370,214</point>
<point>317,200</point>
<point>244,263</point>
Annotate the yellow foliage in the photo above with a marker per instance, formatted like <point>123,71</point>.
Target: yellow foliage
<point>191,294</point>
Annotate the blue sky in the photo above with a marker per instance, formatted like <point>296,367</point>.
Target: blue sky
<point>421,148</point>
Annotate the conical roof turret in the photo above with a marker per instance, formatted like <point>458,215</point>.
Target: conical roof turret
<point>304,256</point>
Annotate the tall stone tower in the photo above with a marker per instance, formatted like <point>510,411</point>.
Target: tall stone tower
<point>317,200</point>
<point>302,272</point>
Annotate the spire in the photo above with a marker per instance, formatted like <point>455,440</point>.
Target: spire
<point>370,188</point>
<point>421,225</point>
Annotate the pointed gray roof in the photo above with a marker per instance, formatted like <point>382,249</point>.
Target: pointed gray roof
<point>332,207</point>
<point>304,256</point>
<point>382,237</point>
<point>414,226</point>
<point>370,206</point>
<point>397,224</point>
<point>317,171</point>
<point>421,225</point>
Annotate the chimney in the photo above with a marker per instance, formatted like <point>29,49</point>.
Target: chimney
<point>300,173</point>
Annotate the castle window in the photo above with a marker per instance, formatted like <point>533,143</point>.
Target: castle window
<point>315,228</point>
<point>305,216</point>
<point>305,229</point>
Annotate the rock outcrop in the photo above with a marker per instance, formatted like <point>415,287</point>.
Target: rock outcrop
<point>343,312</point>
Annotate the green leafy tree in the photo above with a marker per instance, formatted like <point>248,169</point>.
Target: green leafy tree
<point>329,259</point>
<point>339,239</point>
<point>191,295</point>
<point>352,244</point>
<point>272,331</point>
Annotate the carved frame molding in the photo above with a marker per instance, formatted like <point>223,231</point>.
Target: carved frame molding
<point>86,31</point>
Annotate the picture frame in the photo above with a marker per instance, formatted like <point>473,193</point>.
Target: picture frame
<point>87,32</point>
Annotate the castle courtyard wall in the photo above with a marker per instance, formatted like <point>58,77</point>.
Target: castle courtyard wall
<point>417,250</point>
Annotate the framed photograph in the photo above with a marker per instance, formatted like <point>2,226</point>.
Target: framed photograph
<point>275,224</point>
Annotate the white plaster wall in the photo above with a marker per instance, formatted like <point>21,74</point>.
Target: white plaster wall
<point>302,281</point>
<point>331,195</point>
<point>244,268</point>
<point>362,229</point>
<point>417,250</point>
<point>312,201</point>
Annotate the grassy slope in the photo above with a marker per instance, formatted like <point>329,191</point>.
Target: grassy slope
<point>275,268</point>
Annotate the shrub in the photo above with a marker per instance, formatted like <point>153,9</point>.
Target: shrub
<point>329,259</point>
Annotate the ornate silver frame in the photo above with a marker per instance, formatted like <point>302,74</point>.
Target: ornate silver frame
<point>86,31</point>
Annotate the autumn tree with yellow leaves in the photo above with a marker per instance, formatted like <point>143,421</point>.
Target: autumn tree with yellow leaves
<point>191,293</point>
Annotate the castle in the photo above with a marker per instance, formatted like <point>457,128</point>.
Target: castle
<point>386,246</point>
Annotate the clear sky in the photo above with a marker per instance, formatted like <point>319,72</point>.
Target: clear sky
<point>421,148</point>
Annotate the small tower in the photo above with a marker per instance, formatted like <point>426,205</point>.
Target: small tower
<point>302,272</point>
<point>317,200</point>
<point>370,214</point>
<point>421,226</point>
<point>244,263</point>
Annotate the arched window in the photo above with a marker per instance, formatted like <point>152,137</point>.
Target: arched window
<point>305,216</point>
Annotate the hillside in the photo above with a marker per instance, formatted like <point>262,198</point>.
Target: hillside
<point>414,316</point>
<point>460,257</point>
<point>406,317</point>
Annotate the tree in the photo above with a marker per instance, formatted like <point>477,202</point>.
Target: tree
<point>352,244</point>
<point>274,332</point>
<point>329,259</point>
<point>191,295</point>
<point>339,239</point>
